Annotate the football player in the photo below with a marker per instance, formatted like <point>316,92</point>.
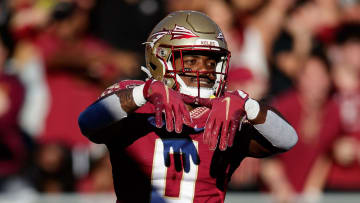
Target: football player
<point>183,130</point>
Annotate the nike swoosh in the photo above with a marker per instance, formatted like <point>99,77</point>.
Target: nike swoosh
<point>227,99</point>
<point>167,94</point>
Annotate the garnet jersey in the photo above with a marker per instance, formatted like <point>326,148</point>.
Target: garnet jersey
<point>150,162</point>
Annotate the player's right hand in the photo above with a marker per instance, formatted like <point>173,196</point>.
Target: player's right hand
<point>224,118</point>
<point>168,100</point>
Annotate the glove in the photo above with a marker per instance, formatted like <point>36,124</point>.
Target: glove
<point>168,100</point>
<point>225,115</point>
<point>185,148</point>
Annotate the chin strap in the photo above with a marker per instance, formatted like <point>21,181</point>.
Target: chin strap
<point>193,91</point>
<point>146,71</point>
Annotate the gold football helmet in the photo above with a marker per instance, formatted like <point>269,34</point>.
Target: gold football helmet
<point>186,31</point>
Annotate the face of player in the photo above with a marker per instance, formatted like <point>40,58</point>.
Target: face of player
<point>204,64</point>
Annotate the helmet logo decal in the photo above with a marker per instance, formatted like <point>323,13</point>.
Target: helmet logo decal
<point>178,32</point>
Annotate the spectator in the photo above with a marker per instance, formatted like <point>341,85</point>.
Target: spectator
<point>316,119</point>
<point>124,34</point>
<point>345,172</point>
<point>76,66</point>
<point>260,28</point>
<point>284,64</point>
<point>26,19</point>
<point>350,11</point>
<point>260,22</point>
<point>178,5</point>
<point>51,171</point>
<point>99,179</point>
<point>12,147</point>
<point>244,79</point>
<point>224,16</point>
<point>59,62</point>
<point>293,44</point>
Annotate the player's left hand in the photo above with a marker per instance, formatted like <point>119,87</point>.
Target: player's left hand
<point>224,118</point>
<point>169,101</point>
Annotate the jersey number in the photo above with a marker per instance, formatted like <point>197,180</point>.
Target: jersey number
<point>174,186</point>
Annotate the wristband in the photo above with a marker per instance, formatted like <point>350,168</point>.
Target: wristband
<point>252,109</point>
<point>138,95</point>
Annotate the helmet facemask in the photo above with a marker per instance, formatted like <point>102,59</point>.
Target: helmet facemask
<point>173,77</point>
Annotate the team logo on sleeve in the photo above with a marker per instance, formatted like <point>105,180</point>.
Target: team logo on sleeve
<point>125,84</point>
<point>113,88</point>
<point>178,32</point>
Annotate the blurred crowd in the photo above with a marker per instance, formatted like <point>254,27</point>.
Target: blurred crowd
<point>300,56</point>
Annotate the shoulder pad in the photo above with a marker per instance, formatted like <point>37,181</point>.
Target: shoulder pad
<point>125,84</point>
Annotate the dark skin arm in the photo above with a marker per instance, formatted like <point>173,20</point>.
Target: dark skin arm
<point>127,100</point>
<point>105,133</point>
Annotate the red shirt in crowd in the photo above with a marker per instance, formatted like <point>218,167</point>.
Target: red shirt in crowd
<point>12,148</point>
<point>69,93</point>
<point>348,177</point>
<point>298,161</point>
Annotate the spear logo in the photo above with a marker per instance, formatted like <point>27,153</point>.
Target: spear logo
<point>178,32</point>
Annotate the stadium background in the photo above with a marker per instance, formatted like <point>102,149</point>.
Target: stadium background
<point>56,56</point>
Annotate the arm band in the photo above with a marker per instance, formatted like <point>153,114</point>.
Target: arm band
<point>277,131</point>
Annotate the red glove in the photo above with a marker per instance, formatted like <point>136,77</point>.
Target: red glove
<point>169,100</point>
<point>225,115</point>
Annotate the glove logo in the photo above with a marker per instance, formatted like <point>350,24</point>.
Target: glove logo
<point>227,100</point>
<point>167,94</point>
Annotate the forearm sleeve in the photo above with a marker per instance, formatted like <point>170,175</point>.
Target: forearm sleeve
<point>277,131</point>
<point>101,114</point>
